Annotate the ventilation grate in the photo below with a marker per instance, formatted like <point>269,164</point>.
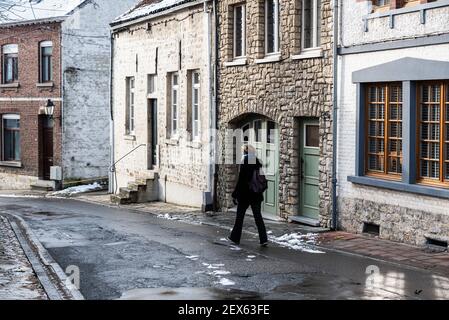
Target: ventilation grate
<point>371,228</point>
<point>436,245</point>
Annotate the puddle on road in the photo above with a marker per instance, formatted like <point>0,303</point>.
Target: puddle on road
<point>188,294</point>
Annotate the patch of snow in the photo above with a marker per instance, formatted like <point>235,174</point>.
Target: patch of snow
<point>226,282</point>
<point>194,258</point>
<point>251,257</point>
<point>145,10</point>
<point>166,216</point>
<point>270,232</point>
<point>297,241</point>
<point>235,248</point>
<point>78,189</point>
<point>220,272</point>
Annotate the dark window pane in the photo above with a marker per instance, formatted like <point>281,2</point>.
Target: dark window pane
<point>312,136</point>
<point>238,31</point>
<point>308,23</point>
<point>270,28</point>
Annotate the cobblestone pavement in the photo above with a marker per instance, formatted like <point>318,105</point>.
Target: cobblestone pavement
<point>365,245</point>
<point>17,278</point>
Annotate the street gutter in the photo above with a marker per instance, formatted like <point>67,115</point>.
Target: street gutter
<point>51,276</point>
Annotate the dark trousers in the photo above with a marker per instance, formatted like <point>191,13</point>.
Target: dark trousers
<point>242,206</point>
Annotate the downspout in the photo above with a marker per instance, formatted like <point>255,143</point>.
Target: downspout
<point>111,122</point>
<point>335,117</point>
<point>211,148</point>
<point>216,103</point>
<point>60,184</point>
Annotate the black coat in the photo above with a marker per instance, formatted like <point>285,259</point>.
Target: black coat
<point>242,191</point>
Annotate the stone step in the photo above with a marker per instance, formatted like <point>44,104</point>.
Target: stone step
<point>128,193</point>
<point>116,199</point>
<point>44,185</point>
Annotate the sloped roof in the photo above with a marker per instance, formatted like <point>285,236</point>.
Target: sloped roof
<point>23,11</point>
<point>148,7</point>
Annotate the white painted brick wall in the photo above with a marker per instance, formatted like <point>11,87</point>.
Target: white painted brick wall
<point>86,70</point>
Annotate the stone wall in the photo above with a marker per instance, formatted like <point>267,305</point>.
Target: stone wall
<point>284,91</point>
<point>176,42</point>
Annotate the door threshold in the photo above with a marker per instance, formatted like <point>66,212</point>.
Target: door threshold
<point>305,220</point>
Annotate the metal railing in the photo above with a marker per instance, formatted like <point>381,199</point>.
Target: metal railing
<point>113,167</point>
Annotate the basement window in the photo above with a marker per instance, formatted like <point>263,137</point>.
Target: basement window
<point>436,244</point>
<point>371,228</point>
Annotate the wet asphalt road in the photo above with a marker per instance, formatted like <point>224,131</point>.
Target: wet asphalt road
<point>123,254</point>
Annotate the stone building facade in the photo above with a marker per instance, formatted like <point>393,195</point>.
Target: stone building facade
<point>285,85</point>
<point>62,53</point>
<point>163,58</point>
<point>393,98</point>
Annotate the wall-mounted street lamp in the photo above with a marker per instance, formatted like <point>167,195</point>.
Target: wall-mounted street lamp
<point>50,109</point>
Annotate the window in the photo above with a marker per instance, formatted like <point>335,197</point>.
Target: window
<point>239,31</point>
<point>381,2</point>
<point>10,63</point>
<point>46,52</point>
<point>384,129</point>
<point>433,126</point>
<point>195,105</point>
<point>11,137</point>
<point>151,84</point>
<point>130,125</point>
<point>174,110</point>
<point>311,23</point>
<point>271,26</point>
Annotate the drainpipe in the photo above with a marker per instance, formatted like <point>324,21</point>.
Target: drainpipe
<point>111,122</point>
<point>211,149</point>
<point>335,118</point>
<point>216,103</point>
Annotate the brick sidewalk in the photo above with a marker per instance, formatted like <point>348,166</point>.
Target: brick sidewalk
<point>374,247</point>
<point>17,278</point>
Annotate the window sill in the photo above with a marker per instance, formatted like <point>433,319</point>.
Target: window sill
<point>426,190</point>
<point>269,59</point>
<point>172,141</point>
<point>308,54</point>
<point>194,144</point>
<point>236,62</point>
<point>45,85</point>
<point>13,85</point>
<point>130,137</point>
<point>12,164</point>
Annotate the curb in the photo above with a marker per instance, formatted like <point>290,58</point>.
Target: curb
<point>50,274</point>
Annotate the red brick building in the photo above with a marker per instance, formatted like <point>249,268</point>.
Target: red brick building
<point>55,53</point>
<point>30,76</point>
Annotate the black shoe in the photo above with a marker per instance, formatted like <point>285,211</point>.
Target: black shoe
<point>264,244</point>
<point>236,243</point>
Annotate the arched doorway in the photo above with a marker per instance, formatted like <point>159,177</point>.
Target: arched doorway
<point>263,134</point>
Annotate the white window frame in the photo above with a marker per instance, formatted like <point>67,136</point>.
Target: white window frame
<point>243,31</point>
<point>7,50</point>
<point>196,122</point>
<point>45,44</point>
<point>174,115</point>
<point>315,36</point>
<point>2,153</point>
<point>130,105</point>
<point>151,83</point>
<point>276,28</point>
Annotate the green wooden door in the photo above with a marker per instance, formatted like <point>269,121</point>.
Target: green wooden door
<point>264,137</point>
<point>310,153</point>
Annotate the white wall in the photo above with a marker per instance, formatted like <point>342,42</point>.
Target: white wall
<point>86,70</point>
<point>183,164</point>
